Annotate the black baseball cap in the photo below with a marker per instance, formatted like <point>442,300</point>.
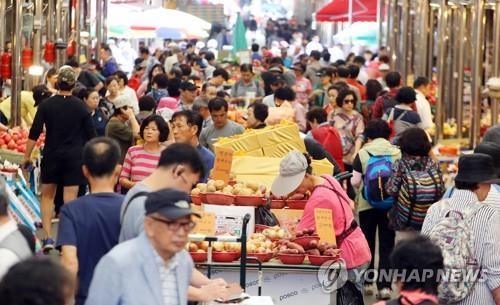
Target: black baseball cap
<point>170,203</point>
<point>187,86</point>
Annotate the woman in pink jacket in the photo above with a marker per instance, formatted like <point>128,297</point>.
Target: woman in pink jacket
<point>326,193</point>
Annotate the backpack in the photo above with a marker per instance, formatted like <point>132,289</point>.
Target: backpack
<point>330,139</point>
<point>378,170</point>
<point>419,190</point>
<point>389,102</point>
<point>397,125</point>
<point>127,204</point>
<point>453,235</point>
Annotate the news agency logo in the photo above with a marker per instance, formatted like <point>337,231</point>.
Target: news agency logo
<point>332,275</point>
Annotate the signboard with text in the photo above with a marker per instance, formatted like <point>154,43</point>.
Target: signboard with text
<point>222,164</point>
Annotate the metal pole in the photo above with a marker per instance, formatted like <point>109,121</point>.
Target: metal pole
<point>430,43</point>
<point>388,28</point>
<point>422,33</point>
<point>395,33</point>
<point>105,21</point>
<point>88,29</point>
<point>496,61</point>
<point>350,23</point>
<point>58,32</point>
<point>37,38</point>
<point>17,73</point>
<point>404,37</point>
<point>3,24</point>
<point>460,69</point>
<point>98,29</point>
<point>443,22</point>
<point>50,21</point>
<point>380,19</point>
<point>477,69</point>
<point>78,27</point>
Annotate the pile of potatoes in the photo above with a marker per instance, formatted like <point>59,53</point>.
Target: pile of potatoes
<point>259,243</point>
<point>219,187</point>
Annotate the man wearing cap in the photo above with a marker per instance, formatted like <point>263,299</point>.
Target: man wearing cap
<point>188,94</point>
<point>152,268</point>
<point>68,127</point>
<point>476,173</point>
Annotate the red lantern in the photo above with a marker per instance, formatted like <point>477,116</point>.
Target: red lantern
<point>5,68</point>
<point>71,48</point>
<point>50,52</point>
<point>27,57</point>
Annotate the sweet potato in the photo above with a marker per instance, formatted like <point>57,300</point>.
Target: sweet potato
<point>298,247</point>
<point>289,251</point>
<point>297,196</point>
<point>313,252</point>
<point>313,244</point>
<point>330,252</point>
<point>299,233</point>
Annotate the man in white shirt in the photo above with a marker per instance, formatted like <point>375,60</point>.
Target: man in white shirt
<point>422,87</point>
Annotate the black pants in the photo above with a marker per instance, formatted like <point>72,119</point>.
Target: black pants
<point>350,189</point>
<point>369,221</point>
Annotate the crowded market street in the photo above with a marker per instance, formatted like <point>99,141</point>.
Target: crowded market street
<point>252,152</point>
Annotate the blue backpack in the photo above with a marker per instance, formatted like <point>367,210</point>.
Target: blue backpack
<point>378,171</point>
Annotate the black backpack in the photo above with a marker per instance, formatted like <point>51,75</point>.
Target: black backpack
<point>389,102</point>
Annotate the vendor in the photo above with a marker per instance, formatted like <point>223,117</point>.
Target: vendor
<point>326,193</point>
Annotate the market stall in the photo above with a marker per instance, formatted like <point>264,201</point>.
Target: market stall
<point>277,259</point>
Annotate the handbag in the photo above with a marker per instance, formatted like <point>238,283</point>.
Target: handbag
<point>349,295</point>
<point>264,216</point>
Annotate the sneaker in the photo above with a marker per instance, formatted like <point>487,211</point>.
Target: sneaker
<point>369,289</point>
<point>47,245</point>
<point>384,294</point>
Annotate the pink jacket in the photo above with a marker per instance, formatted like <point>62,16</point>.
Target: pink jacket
<point>355,249</point>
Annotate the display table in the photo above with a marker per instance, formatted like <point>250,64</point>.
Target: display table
<point>284,284</point>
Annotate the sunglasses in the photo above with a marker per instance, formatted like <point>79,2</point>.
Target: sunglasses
<point>349,101</point>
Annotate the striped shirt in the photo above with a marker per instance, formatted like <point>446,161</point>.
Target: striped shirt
<point>485,227</point>
<point>139,163</point>
<point>168,279</point>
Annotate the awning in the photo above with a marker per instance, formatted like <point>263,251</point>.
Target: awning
<point>338,10</point>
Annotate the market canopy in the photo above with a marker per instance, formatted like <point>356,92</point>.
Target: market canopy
<point>338,10</point>
<point>156,22</point>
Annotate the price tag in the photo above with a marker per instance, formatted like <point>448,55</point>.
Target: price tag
<point>324,225</point>
<point>206,224</point>
<point>223,163</point>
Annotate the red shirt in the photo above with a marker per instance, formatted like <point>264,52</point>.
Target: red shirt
<point>355,249</point>
<point>361,88</point>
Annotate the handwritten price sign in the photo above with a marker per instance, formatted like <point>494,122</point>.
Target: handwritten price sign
<point>206,224</point>
<point>324,225</point>
<point>223,163</point>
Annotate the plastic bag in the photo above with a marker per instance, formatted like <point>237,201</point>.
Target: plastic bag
<point>349,295</point>
<point>264,216</point>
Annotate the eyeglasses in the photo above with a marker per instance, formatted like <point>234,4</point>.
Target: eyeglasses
<point>349,101</point>
<point>174,226</point>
